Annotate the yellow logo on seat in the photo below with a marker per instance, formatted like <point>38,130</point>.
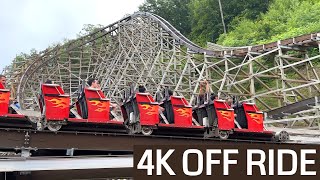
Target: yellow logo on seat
<point>226,114</point>
<point>4,97</point>
<point>256,117</point>
<point>101,105</point>
<point>151,109</point>
<point>59,102</point>
<point>185,112</point>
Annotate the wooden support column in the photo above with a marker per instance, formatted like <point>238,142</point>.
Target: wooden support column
<point>282,76</point>
<point>252,89</point>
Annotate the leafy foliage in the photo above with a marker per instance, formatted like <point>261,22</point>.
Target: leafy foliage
<point>284,19</point>
<point>175,11</point>
<point>200,20</point>
<point>206,18</point>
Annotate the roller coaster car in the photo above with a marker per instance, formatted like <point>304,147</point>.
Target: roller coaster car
<point>54,106</point>
<point>177,112</point>
<point>250,124</point>
<point>8,116</point>
<point>92,107</point>
<point>216,116</point>
<point>140,112</point>
<point>176,118</point>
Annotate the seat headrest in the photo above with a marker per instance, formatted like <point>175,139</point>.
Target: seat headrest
<point>93,89</point>
<point>51,85</point>
<point>145,94</point>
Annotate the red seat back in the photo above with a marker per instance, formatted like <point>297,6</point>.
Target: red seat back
<point>2,86</point>
<point>254,117</point>
<point>182,111</point>
<point>4,100</point>
<point>98,105</point>
<point>225,115</point>
<point>56,102</point>
<point>149,110</point>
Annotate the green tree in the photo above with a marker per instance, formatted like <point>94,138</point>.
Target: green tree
<point>284,19</point>
<point>206,19</point>
<point>175,11</point>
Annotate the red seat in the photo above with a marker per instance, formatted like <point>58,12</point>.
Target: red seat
<point>148,109</point>
<point>2,86</point>
<point>254,117</point>
<point>225,115</point>
<point>56,102</point>
<point>98,106</point>
<point>4,99</point>
<point>182,111</point>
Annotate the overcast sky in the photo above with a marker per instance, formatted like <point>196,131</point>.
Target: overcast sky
<point>27,24</point>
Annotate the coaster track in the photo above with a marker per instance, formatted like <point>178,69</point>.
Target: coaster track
<point>146,49</point>
<point>28,138</point>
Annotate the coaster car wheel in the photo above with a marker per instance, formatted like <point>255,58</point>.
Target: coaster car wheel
<point>282,136</point>
<point>224,135</point>
<point>54,126</point>
<point>147,131</point>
